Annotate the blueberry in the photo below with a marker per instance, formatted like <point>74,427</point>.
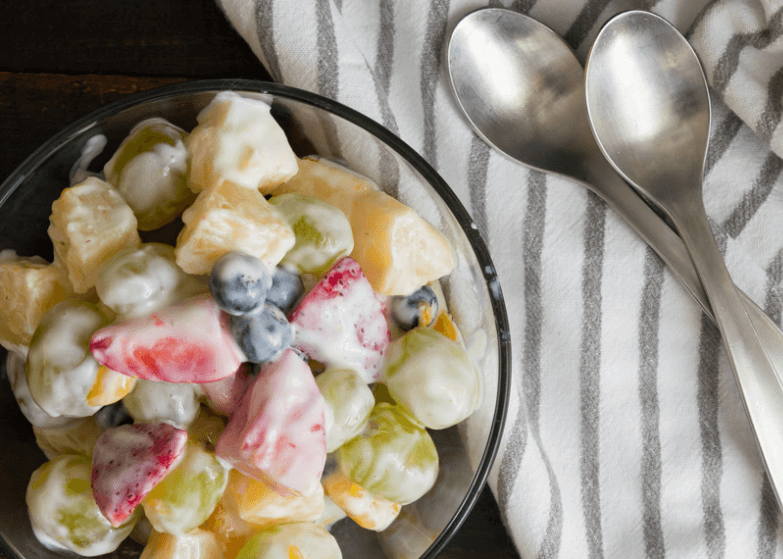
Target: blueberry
<point>262,335</point>
<point>239,283</point>
<point>286,289</point>
<point>417,309</point>
<point>113,415</point>
<point>301,354</point>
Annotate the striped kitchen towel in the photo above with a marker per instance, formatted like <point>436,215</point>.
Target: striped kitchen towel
<point>626,436</point>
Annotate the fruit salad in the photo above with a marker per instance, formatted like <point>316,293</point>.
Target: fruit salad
<point>273,369</point>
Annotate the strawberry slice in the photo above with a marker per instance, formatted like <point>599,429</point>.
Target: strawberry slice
<point>277,434</point>
<point>128,461</point>
<point>341,322</point>
<point>224,395</point>
<point>187,342</point>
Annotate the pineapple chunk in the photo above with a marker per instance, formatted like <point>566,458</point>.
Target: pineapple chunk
<point>238,140</point>
<point>328,181</point>
<point>29,286</point>
<point>89,223</point>
<point>230,217</point>
<point>396,248</point>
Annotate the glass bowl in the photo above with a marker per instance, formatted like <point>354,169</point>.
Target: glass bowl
<point>314,125</point>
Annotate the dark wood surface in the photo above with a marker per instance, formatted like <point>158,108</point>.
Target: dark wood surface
<point>61,59</point>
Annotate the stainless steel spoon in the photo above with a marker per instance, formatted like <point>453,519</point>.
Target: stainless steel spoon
<point>649,109</point>
<point>522,90</point>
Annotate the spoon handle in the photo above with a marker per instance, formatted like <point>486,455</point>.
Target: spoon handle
<point>609,186</point>
<point>755,374</point>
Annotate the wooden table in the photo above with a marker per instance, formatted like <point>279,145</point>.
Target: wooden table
<point>61,59</point>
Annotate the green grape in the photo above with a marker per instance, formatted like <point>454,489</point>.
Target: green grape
<point>136,281</point>
<point>60,368</point>
<point>15,370</point>
<point>433,377</point>
<point>142,139</point>
<point>381,394</point>
<point>63,512</point>
<point>297,539</point>
<point>150,169</point>
<point>394,457</point>
<point>206,428</point>
<point>188,494</point>
<point>323,233</point>
<point>154,401</point>
<point>78,437</point>
<point>349,402</point>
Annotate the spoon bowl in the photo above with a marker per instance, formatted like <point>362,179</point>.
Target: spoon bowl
<point>522,90</point>
<point>653,115</point>
<point>649,109</point>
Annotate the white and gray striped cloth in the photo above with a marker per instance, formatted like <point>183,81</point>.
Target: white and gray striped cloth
<point>626,436</point>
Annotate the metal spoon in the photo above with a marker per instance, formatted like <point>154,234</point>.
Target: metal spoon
<point>522,89</point>
<point>649,110</point>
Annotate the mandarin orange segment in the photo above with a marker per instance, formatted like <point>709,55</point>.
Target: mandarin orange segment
<point>198,543</point>
<point>231,531</point>
<point>110,386</point>
<point>445,325</point>
<point>258,503</point>
<point>371,512</point>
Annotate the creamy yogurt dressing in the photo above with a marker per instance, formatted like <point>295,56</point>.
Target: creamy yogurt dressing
<point>331,514</point>
<point>91,149</point>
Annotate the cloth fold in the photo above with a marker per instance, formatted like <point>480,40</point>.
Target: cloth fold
<point>626,435</point>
